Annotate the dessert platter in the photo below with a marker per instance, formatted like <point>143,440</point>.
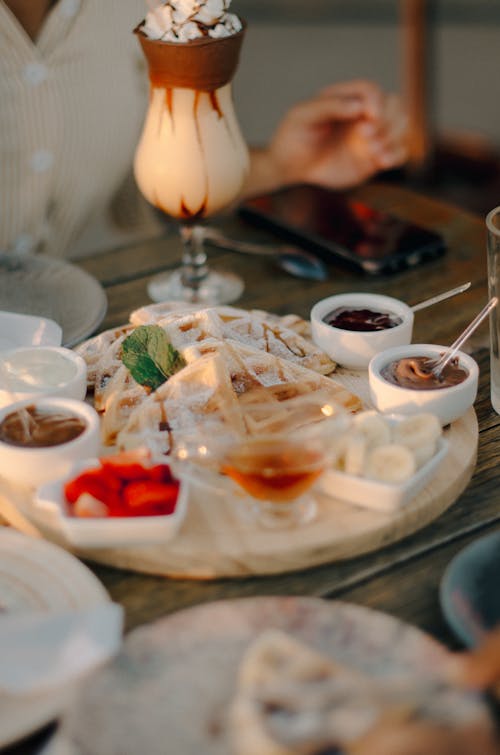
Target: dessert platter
<point>230,356</point>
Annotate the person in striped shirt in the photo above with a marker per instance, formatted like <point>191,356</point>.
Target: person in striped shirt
<point>72,87</point>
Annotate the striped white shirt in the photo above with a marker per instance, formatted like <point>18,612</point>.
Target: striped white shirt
<point>71,110</point>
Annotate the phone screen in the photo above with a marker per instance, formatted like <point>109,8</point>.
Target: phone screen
<point>344,227</point>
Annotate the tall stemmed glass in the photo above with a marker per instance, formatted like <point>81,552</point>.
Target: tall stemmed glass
<point>191,160</point>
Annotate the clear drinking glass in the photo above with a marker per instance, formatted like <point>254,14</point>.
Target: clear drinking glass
<point>269,470</point>
<point>493,229</point>
<point>191,160</point>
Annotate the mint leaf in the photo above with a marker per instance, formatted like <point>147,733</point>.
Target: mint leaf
<point>149,356</point>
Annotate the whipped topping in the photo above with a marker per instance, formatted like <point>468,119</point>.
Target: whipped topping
<point>35,369</point>
<point>185,20</point>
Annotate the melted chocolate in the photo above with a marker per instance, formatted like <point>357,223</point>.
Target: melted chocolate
<point>416,373</point>
<point>36,428</point>
<point>361,319</point>
<point>204,64</point>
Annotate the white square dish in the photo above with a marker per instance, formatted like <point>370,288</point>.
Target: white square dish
<point>380,496</point>
<point>28,330</point>
<point>109,532</point>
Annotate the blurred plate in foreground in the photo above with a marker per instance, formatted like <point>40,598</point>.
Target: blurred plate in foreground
<point>38,578</point>
<point>176,678</point>
<point>45,287</point>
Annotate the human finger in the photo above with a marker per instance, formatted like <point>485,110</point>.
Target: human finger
<point>479,668</point>
<point>395,117</point>
<point>391,158</point>
<point>368,92</point>
<point>424,738</point>
<point>388,149</point>
<point>324,110</point>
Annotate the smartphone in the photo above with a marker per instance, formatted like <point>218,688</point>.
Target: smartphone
<point>339,228</point>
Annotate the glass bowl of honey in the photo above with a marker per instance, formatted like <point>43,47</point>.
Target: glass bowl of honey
<point>272,465</point>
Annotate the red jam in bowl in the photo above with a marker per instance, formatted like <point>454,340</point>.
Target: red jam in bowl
<point>361,319</point>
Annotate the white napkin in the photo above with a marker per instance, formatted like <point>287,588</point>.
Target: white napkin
<point>40,652</point>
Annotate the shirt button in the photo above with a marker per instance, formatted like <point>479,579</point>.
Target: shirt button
<point>41,160</point>
<point>35,73</point>
<point>69,8</point>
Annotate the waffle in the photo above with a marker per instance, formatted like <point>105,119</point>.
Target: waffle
<point>217,387</point>
<point>199,394</point>
<point>232,356</point>
<point>117,400</point>
<point>292,700</point>
<point>152,313</point>
<point>286,337</point>
<point>101,354</point>
<point>193,327</point>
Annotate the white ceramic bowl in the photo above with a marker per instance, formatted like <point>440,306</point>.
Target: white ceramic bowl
<point>382,496</point>
<point>34,466</point>
<point>24,373</point>
<point>354,349</point>
<point>28,330</point>
<point>448,404</point>
<point>90,532</point>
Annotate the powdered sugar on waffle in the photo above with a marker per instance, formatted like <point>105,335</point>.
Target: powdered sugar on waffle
<point>255,329</point>
<point>231,354</point>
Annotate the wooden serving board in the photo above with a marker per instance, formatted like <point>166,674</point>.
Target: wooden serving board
<point>216,541</point>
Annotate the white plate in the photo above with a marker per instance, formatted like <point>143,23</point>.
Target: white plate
<point>176,677</point>
<point>50,288</point>
<point>27,330</point>
<point>38,576</point>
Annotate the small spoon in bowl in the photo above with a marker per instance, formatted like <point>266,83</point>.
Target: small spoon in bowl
<point>441,297</point>
<point>451,352</point>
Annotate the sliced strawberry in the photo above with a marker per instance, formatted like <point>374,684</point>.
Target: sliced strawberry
<point>160,473</point>
<point>126,461</point>
<point>125,471</point>
<point>95,484</point>
<point>149,498</point>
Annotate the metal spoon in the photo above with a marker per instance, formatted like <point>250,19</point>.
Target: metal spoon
<point>441,297</point>
<point>292,259</point>
<point>455,346</point>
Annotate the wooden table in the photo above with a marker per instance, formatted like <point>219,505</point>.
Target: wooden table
<point>402,579</point>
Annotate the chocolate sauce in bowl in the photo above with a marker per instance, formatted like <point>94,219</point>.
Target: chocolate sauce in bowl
<point>361,319</point>
<point>38,428</point>
<point>416,373</point>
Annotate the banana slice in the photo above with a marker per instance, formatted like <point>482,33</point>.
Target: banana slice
<point>417,431</point>
<point>355,454</point>
<point>374,428</point>
<point>391,463</point>
<point>423,454</point>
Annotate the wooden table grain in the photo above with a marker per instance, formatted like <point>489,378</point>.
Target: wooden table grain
<point>402,579</point>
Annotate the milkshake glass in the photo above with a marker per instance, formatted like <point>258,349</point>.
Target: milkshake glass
<point>191,160</point>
